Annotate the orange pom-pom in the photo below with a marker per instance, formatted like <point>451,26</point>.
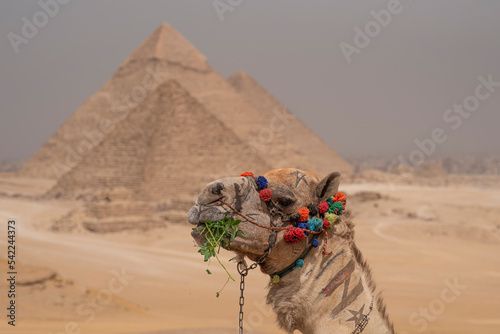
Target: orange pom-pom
<point>339,197</point>
<point>247,174</point>
<point>304,214</point>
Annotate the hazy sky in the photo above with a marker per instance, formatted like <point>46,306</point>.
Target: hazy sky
<point>395,90</point>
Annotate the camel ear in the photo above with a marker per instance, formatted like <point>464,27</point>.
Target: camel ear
<point>328,186</point>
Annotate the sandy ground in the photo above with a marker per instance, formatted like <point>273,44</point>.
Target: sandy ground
<point>416,239</point>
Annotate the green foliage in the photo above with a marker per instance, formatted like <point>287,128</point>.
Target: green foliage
<point>219,234</point>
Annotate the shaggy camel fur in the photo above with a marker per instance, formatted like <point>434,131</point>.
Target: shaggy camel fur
<point>330,293</point>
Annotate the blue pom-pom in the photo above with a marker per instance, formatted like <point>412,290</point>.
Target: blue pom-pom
<point>315,224</point>
<point>315,243</point>
<point>261,182</point>
<point>299,263</point>
<point>329,201</point>
<point>304,226</point>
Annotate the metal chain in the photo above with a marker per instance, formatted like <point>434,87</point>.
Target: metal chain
<point>243,272</point>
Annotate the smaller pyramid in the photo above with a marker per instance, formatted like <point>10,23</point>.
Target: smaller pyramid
<point>168,148</point>
<point>321,158</point>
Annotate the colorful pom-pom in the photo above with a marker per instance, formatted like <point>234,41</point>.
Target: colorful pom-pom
<point>326,223</point>
<point>313,210</point>
<point>304,226</point>
<point>315,224</point>
<point>276,279</point>
<point>336,208</point>
<point>339,197</point>
<point>294,235</point>
<point>265,195</point>
<point>329,201</point>
<point>247,174</point>
<point>331,217</point>
<point>323,207</point>
<point>261,182</point>
<point>315,243</point>
<point>304,213</point>
<point>299,264</point>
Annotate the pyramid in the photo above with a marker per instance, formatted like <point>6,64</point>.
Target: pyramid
<point>168,148</point>
<point>321,159</point>
<point>164,55</point>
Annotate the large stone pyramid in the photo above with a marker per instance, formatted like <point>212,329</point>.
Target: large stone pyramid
<point>163,56</point>
<point>167,148</point>
<point>321,158</point>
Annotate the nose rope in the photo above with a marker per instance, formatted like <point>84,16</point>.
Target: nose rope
<point>277,228</point>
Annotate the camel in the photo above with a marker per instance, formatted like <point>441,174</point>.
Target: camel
<point>331,290</point>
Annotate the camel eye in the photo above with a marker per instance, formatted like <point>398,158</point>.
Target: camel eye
<point>285,202</point>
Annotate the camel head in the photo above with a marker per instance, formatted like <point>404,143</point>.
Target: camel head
<point>286,214</point>
<point>291,190</point>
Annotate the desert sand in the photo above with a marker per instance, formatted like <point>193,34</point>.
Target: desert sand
<point>414,237</point>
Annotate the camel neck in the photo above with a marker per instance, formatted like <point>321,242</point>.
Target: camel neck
<point>329,294</point>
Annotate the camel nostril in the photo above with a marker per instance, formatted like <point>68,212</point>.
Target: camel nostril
<point>217,188</point>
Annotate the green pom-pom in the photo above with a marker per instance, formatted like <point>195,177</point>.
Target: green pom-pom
<point>276,279</point>
<point>336,208</point>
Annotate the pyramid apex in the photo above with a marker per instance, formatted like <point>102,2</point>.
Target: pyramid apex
<point>165,25</point>
<point>166,43</point>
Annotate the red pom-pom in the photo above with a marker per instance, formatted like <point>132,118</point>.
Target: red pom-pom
<point>339,197</point>
<point>304,214</point>
<point>294,235</point>
<point>326,223</point>
<point>265,195</point>
<point>247,174</point>
<point>323,207</point>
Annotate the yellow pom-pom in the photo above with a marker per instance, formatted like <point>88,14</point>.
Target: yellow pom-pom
<point>276,279</point>
<point>331,217</point>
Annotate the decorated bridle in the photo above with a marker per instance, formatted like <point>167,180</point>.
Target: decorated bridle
<point>312,220</point>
